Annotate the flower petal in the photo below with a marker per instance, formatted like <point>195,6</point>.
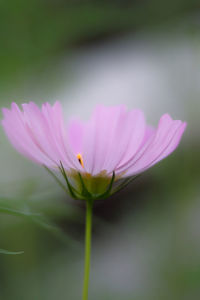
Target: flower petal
<point>100,133</point>
<point>161,144</point>
<point>75,131</point>
<point>131,137</point>
<point>112,140</point>
<point>16,130</point>
<point>59,139</point>
<point>38,134</point>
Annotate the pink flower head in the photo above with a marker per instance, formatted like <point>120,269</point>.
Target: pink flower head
<point>113,141</point>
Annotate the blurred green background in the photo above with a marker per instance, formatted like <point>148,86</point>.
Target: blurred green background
<point>146,239</point>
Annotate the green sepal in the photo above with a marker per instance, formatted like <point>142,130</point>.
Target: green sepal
<point>57,179</point>
<point>70,187</point>
<point>125,182</point>
<point>85,193</point>
<point>83,190</point>
<point>107,193</point>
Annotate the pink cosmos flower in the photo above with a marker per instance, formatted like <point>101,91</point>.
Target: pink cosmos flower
<point>114,144</point>
<point>112,141</point>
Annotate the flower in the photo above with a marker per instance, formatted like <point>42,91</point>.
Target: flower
<point>114,144</point>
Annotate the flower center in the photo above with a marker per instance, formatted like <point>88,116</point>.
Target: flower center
<point>80,159</point>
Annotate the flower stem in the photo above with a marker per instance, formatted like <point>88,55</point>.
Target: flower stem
<point>88,235</point>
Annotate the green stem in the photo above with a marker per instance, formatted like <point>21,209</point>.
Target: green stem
<point>88,235</point>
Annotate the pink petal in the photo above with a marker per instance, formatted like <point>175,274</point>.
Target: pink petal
<point>173,143</point>
<point>40,135</point>
<point>161,144</point>
<point>57,131</point>
<point>131,137</point>
<point>100,134</point>
<point>14,126</point>
<point>112,140</point>
<point>75,131</point>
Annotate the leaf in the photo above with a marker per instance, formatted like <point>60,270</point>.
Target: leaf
<point>3,251</point>
<point>42,222</point>
<point>15,212</point>
<point>54,229</point>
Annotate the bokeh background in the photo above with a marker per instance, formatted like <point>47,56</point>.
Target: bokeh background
<point>146,239</point>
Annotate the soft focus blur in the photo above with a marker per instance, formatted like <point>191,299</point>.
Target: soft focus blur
<point>146,239</point>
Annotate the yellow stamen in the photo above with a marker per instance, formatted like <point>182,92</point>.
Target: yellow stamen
<point>80,159</point>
